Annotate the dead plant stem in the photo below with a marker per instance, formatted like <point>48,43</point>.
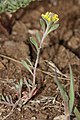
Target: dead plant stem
<point>12,110</point>
<point>9,58</point>
<point>66,108</point>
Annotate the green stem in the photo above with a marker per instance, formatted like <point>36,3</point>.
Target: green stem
<point>38,53</point>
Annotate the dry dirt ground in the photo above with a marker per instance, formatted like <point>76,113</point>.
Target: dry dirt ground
<point>61,47</point>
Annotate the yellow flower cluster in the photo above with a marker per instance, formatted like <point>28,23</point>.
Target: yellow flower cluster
<point>50,17</point>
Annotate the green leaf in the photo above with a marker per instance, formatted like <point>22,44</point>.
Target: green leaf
<point>38,36</point>
<point>26,66</point>
<point>71,93</point>
<point>21,82</point>
<point>29,62</point>
<point>62,90</point>
<point>54,27</point>
<point>27,84</point>
<point>42,24</point>
<point>7,99</point>
<point>17,87</point>
<point>33,41</point>
<point>77,113</point>
<point>25,81</point>
<point>10,97</point>
<point>60,86</point>
<point>13,5</point>
<point>3,98</point>
<point>0,97</point>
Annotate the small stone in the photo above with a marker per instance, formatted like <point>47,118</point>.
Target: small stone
<point>0,113</point>
<point>61,117</point>
<point>33,118</point>
<point>74,42</point>
<point>5,61</point>
<point>64,57</point>
<point>19,32</point>
<point>67,35</point>
<point>1,66</point>
<point>54,2</point>
<point>19,109</point>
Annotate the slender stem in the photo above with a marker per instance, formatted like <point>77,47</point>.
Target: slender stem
<point>37,59</point>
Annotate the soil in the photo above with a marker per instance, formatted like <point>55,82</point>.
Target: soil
<point>61,47</point>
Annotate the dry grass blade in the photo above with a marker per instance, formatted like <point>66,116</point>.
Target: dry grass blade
<point>53,66</point>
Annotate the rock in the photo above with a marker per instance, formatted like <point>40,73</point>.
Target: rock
<point>16,49</point>
<point>19,32</point>
<point>33,118</point>
<point>74,42</point>
<point>3,34</point>
<point>61,117</point>
<point>1,66</point>
<point>67,35</point>
<point>3,30</point>
<point>5,61</point>
<point>64,57</point>
<point>54,2</point>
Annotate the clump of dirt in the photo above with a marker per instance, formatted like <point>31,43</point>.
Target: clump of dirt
<point>61,47</point>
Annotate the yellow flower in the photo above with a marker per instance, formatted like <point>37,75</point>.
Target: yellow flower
<point>50,17</point>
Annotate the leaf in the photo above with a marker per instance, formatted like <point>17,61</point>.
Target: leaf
<point>21,82</point>
<point>29,62</point>
<point>27,84</point>
<point>13,5</point>
<point>30,82</point>
<point>62,90</point>
<point>0,97</point>
<point>25,81</point>
<point>60,86</point>
<point>17,87</point>
<point>38,36</point>
<point>7,99</point>
<point>26,66</point>
<point>71,93</point>
<point>77,113</point>
<point>54,27</point>
<point>10,97</point>
<point>3,98</point>
<point>33,41</point>
<point>42,24</point>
